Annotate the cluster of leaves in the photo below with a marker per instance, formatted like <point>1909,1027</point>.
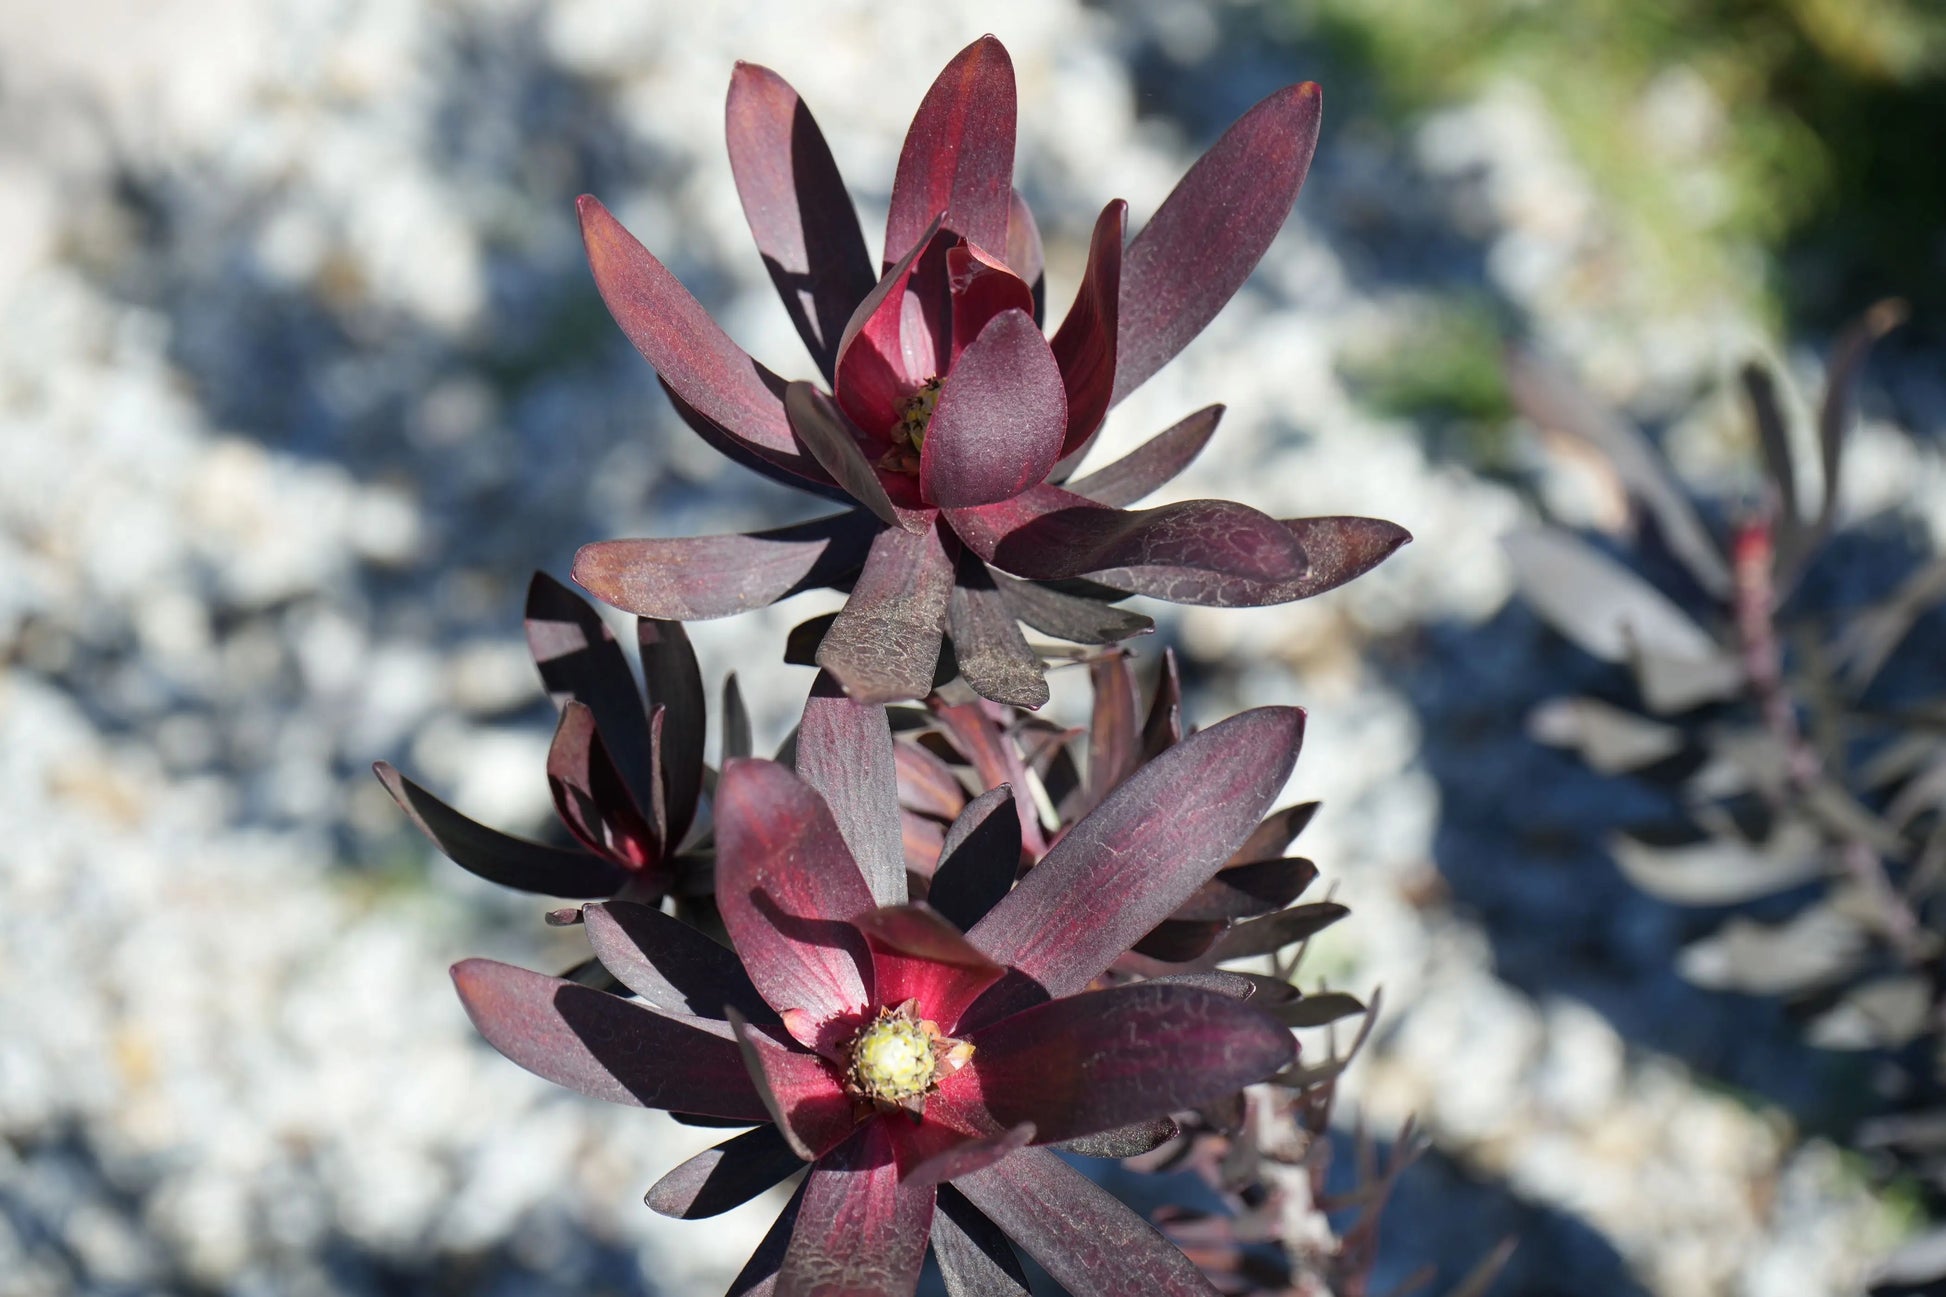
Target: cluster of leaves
<point>1798,780</point>
<point>927,945</point>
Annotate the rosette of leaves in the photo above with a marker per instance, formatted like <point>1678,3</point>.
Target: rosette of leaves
<point>625,766</point>
<point>1755,704</point>
<point>952,422</point>
<point>918,1060</point>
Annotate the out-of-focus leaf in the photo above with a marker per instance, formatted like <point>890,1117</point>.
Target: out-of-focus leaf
<point>1868,639</point>
<point>1114,742</point>
<point>1672,685</point>
<point>1813,949</point>
<point>1721,870</point>
<point>1273,932</point>
<point>1881,1014</point>
<point>1548,397</point>
<point>1163,728</point>
<point>1834,416</point>
<point>1612,741</point>
<point>1774,442</point>
<point>1318,1009</point>
<point>1601,606</point>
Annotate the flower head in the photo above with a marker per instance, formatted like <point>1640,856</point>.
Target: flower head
<point>920,1063</point>
<point>952,422</point>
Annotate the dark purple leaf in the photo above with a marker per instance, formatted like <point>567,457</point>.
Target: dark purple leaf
<point>690,353</point>
<point>1237,986</point>
<point>591,797</point>
<point>1177,941</point>
<point>1114,744</point>
<point>1091,1244</point>
<point>1124,1141</point>
<point>997,427</point>
<point>829,435</point>
<point>787,889</point>
<point>978,859</point>
<point>675,684</point>
<point>726,1176</point>
<point>974,1257</point>
<point>810,1109</point>
<point>1163,728</point>
<point>1275,931</point>
<point>799,213</point>
<point>1246,891</point>
<point>1279,829</point>
<point>1318,1010</point>
<point>1068,616</point>
<point>1199,551</point>
<point>844,750</point>
<point>1834,413</point>
<point>993,656</point>
<point>1774,444</point>
<point>670,964</point>
<point>921,838</point>
<point>885,642</point>
<point>862,1230</point>
<point>606,1047</point>
<point>580,659</point>
<point>497,857</point>
<point>801,643</point>
<point>926,783</point>
<point>694,578</point>
<point>968,1156</point>
<point>1142,853</point>
<point>1153,464</point>
<point>736,740</point>
<point>1084,345</point>
<point>958,156</point>
<point>1211,231</point>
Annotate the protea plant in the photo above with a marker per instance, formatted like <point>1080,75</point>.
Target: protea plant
<point>952,422</point>
<point>922,1060</point>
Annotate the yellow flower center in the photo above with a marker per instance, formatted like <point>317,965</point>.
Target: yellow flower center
<point>893,1057</point>
<point>915,413</point>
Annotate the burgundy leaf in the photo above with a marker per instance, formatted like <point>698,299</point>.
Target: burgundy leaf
<point>1246,891</point>
<point>1151,465</point>
<point>917,955</point>
<point>823,427</point>
<point>787,889</point>
<point>921,838</point>
<point>801,642</point>
<point>844,750</point>
<point>995,759</point>
<point>978,859</point>
<point>1279,829</point>
<point>1084,345</point>
<point>675,684</point>
<point>885,642</point>
<point>974,1257</point>
<point>736,741</point>
<point>694,578</point>
<point>1069,616</point>
<point>926,783</point>
<point>993,655</point>
<point>1091,1244</point>
<point>862,1230</point>
<point>958,156</point>
<point>1163,728</point>
<point>726,444</point>
<point>670,964</point>
<point>496,857</point>
<point>1211,231</point>
<point>981,287</point>
<point>812,1112</point>
<point>997,427</point>
<point>1319,1010</point>
<point>1340,548</point>
<point>891,343</point>
<point>1143,852</point>
<point>579,658</point>
<point>795,201</point>
<point>1177,941</point>
<point>1200,551</point>
<point>1275,931</point>
<point>591,797</point>
<point>1024,251</point>
<point>606,1047</point>
<point>1114,745</point>
<point>690,353</point>
<point>726,1176</point>
<point>1125,1141</point>
<point>968,1156</point>
<point>758,1278</point>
